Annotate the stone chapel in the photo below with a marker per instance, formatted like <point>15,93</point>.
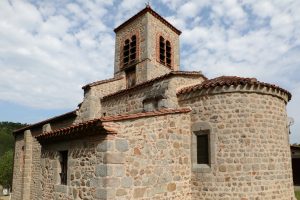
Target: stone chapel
<point>155,132</point>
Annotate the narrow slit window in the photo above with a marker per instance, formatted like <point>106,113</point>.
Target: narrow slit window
<point>63,160</point>
<point>126,52</point>
<point>162,50</point>
<point>168,53</point>
<point>202,149</point>
<point>133,49</point>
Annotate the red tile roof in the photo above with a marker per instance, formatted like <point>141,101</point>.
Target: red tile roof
<point>102,81</point>
<point>70,130</point>
<point>155,14</point>
<point>151,81</point>
<point>53,119</point>
<point>228,81</point>
<point>103,123</point>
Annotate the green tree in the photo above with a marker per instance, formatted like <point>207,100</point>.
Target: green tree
<point>6,136</point>
<point>6,169</point>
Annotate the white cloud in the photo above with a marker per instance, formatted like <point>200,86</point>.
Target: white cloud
<point>293,111</point>
<point>264,9</point>
<point>189,9</point>
<point>174,4</point>
<point>51,57</point>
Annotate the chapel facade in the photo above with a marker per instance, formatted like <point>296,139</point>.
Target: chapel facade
<point>155,132</point>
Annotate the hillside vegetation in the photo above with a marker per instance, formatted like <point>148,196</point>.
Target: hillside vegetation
<point>6,151</point>
<point>6,136</point>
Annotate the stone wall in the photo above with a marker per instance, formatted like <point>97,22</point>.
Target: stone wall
<point>25,175</point>
<point>144,160</point>
<point>59,124</point>
<point>157,29</point>
<point>148,29</point>
<point>132,101</point>
<point>251,157</point>
<point>138,28</point>
<point>86,169</point>
<point>150,159</point>
<point>18,167</point>
<point>35,185</point>
<point>91,107</point>
<point>154,70</point>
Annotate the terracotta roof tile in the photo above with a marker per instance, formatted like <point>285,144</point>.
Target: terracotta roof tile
<point>102,81</point>
<point>228,81</point>
<point>70,130</point>
<point>151,81</point>
<point>56,118</point>
<point>105,123</point>
<point>155,14</point>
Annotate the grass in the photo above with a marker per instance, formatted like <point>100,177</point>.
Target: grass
<point>297,193</point>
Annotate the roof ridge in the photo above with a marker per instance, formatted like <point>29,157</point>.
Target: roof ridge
<point>102,81</point>
<point>155,14</point>
<point>230,80</point>
<point>145,114</point>
<point>73,112</point>
<point>69,129</point>
<point>155,79</point>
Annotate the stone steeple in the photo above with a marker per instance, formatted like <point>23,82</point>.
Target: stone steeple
<point>147,46</point>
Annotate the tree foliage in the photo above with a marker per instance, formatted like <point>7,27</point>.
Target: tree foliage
<point>6,136</point>
<point>6,151</point>
<point>6,169</point>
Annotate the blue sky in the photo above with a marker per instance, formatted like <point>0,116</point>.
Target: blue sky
<point>50,49</point>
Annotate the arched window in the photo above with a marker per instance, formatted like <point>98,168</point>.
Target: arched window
<point>129,51</point>
<point>165,55</point>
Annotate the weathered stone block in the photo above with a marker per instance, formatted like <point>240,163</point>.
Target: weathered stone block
<point>127,182</point>
<point>114,158</point>
<point>222,168</point>
<point>111,182</point>
<point>101,194</point>
<point>96,182</point>
<point>61,188</point>
<point>139,192</point>
<point>171,187</point>
<point>119,171</point>
<point>103,170</point>
<point>105,146</point>
<point>122,145</point>
<point>121,192</point>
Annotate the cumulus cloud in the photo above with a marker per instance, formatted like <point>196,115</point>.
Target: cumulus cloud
<point>49,49</point>
<point>47,53</point>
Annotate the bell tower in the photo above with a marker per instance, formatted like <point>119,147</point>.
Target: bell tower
<point>147,46</point>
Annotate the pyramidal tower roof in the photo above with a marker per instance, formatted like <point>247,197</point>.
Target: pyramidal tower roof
<point>148,9</point>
